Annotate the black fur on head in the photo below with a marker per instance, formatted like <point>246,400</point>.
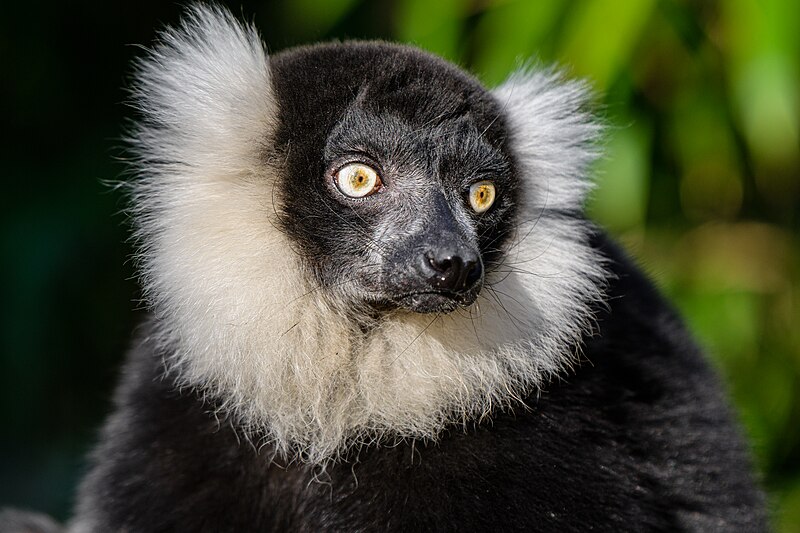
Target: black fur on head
<point>430,131</point>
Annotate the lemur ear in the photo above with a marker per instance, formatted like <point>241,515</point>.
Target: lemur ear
<point>204,93</point>
<point>553,135</point>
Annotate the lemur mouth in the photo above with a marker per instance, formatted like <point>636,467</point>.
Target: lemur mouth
<point>423,301</point>
<point>435,302</point>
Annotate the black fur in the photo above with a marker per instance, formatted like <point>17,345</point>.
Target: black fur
<point>637,438</point>
<point>413,113</point>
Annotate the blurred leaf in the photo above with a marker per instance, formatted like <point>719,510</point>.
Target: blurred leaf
<point>762,48</point>
<point>710,179</point>
<point>434,26</point>
<point>315,18</point>
<point>766,97</point>
<point>743,256</point>
<point>510,33</point>
<point>788,518</point>
<point>764,396</point>
<point>601,35</point>
<point>620,200</point>
<point>726,321</point>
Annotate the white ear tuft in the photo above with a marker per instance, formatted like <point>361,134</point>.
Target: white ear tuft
<point>208,112</point>
<point>553,135</point>
<point>560,275</point>
<point>204,93</point>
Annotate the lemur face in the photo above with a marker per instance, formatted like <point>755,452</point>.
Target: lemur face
<point>400,190</point>
<point>296,214</point>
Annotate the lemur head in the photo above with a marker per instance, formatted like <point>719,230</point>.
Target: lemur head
<point>399,189</point>
<point>352,242</point>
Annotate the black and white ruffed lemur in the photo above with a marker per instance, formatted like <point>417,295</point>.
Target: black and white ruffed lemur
<point>377,305</point>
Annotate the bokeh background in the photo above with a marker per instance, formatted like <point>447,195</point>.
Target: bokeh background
<point>701,182</point>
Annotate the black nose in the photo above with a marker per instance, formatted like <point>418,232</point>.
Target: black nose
<point>452,272</point>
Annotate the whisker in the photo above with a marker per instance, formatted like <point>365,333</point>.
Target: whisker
<point>410,344</point>
<point>493,293</point>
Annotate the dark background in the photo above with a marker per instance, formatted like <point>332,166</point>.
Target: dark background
<point>700,183</point>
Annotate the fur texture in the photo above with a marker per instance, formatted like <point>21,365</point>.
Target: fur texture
<point>284,311</point>
<point>236,308</point>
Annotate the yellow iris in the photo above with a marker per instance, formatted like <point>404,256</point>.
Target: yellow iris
<point>481,196</point>
<point>357,180</point>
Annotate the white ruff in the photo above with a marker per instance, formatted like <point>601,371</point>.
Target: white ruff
<point>236,309</point>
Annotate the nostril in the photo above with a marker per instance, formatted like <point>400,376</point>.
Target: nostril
<point>474,271</point>
<point>443,265</point>
<point>453,273</point>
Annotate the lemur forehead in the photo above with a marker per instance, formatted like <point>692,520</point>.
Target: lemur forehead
<point>386,78</point>
<point>390,136</point>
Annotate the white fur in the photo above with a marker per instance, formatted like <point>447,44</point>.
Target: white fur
<point>240,318</point>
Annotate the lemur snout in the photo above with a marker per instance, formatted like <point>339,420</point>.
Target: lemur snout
<point>453,271</point>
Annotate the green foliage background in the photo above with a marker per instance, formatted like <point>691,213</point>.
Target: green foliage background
<point>701,182</point>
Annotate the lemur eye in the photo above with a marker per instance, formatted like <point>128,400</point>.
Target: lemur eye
<point>481,196</point>
<point>357,180</point>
